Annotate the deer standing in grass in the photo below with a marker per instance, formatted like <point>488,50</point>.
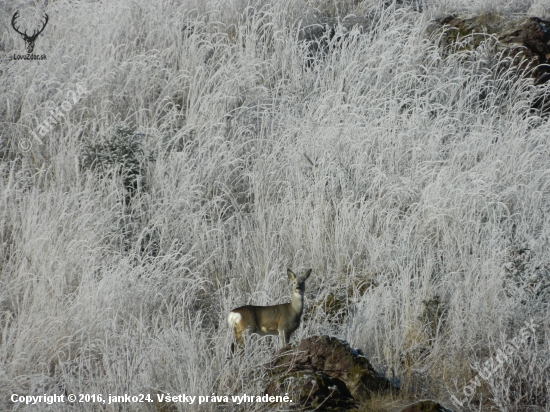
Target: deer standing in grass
<point>280,320</point>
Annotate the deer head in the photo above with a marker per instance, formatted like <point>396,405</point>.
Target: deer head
<point>29,40</point>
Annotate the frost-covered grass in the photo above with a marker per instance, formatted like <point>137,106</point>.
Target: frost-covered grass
<point>411,181</point>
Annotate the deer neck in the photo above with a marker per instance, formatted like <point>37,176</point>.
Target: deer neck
<point>297,303</point>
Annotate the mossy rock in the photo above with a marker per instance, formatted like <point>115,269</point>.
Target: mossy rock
<point>520,47</point>
<point>335,305</point>
<point>338,375</point>
<point>316,390</point>
<point>425,406</point>
<point>457,34</point>
<point>526,40</point>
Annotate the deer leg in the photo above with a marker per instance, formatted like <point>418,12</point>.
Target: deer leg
<point>239,338</point>
<point>282,337</point>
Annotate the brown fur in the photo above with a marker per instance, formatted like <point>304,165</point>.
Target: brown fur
<point>282,319</point>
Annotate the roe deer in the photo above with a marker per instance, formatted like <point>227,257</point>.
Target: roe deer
<point>280,320</point>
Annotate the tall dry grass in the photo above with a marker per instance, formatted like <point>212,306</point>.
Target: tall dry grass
<point>411,181</point>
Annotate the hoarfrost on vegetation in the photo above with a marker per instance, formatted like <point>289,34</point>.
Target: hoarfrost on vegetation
<point>415,184</point>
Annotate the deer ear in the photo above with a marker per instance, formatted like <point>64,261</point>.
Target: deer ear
<point>291,275</point>
<point>307,274</point>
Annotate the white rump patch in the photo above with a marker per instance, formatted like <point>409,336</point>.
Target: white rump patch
<point>233,318</point>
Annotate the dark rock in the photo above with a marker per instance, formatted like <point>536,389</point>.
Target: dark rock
<point>425,406</point>
<point>325,371</point>
<point>327,35</point>
<point>526,40</point>
<point>526,43</point>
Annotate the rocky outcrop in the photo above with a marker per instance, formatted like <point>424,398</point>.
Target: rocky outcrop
<point>526,40</point>
<point>522,45</point>
<point>530,39</point>
<point>320,38</point>
<point>325,371</point>
<point>425,406</point>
